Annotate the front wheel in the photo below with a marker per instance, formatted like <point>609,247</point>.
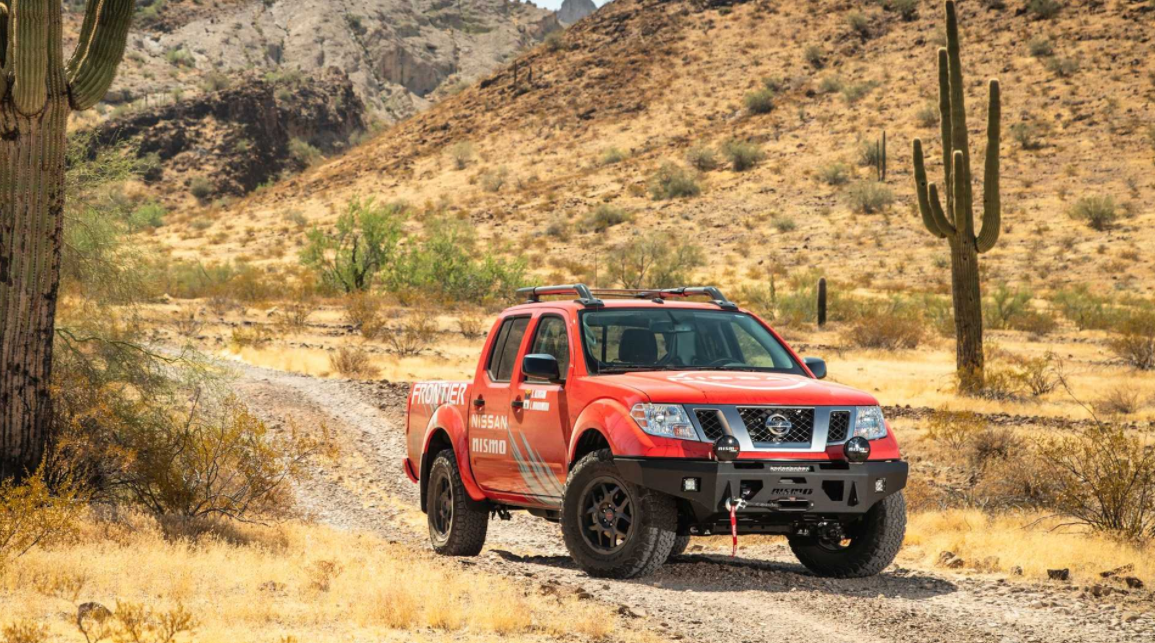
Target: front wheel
<point>867,547</point>
<point>457,526</point>
<point>612,528</point>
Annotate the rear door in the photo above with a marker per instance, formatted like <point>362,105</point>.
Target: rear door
<point>539,419</point>
<point>489,410</point>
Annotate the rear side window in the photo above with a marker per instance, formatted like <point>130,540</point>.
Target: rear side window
<point>504,353</point>
<point>551,339</point>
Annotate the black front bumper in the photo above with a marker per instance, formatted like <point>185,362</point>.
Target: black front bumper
<point>778,492</point>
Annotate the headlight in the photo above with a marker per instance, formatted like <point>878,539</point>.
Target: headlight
<point>664,420</point>
<point>868,423</point>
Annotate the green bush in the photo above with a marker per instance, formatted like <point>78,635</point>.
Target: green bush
<point>494,180</point>
<point>760,101</point>
<point>1135,343</point>
<point>834,174</point>
<point>702,158</point>
<point>887,332</point>
<point>147,216</point>
<point>1040,47</point>
<point>1028,134</point>
<point>613,156</point>
<point>869,154</point>
<point>304,153</point>
<point>656,260</point>
<point>672,182</point>
<point>742,155</point>
<point>857,91</point>
<point>1004,306</point>
<point>783,224</point>
<point>869,197</point>
<point>858,23</point>
<point>831,84</point>
<point>927,115</point>
<point>1087,310</point>
<point>201,188</point>
<point>906,9</point>
<point>814,56</point>
<point>180,57</point>
<point>1097,211</point>
<point>1062,67</point>
<point>364,242</point>
<point>1044,9</point>
<point>604,217</point>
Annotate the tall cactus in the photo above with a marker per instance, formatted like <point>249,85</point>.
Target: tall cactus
<point>956,222</point>
<point>38,89</point>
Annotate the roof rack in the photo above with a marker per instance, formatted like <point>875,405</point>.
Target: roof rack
<point>587,295</point>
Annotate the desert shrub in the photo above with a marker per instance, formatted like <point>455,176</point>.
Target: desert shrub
<point>1044,9</point>
<point>612,156</point>
<point>554,41</point>
<point>760,101</point>
<point>1039,375</point>
<point>1087,310</point>
<point>955,429</point>
<point>1028,134</point>
<point>1097,211</point>
<point>1135,343</point>
<point>673,182</point>
<point>869,197</point>
<point>363,242</point>
<point>855,92</point>
<point>180,57</point>
<point>225,281</point>
<point>353,362</point>
<point>1104,478</point>
<point>742,155</point>
<point>1003,306</point>
<point>656,260</point>
<point>213,459</point>
<point>858,23</point>
<point>136,623</point>
<point>1120,400</point>
<point>927,115</point>
<point>299,304</point>
<point>831,85</point>
<point>304,153</point>
<point>906,9</point>
<point>462,154</point>
<point>201,188</point>
<point>1036,323</point>
<point>146,216</point>
<point>992,446</point>
<point>814,56</point>
<point>24,632</point>
<point>35,513</point>
<point>834,174</point>
<point>413,335</point>
<point>869,153</point>
<point>887,333</point>
<point>494,180</point>
<point>471,324</point>
<point>1061,66</point>
<point>783,223</point>
<point>702,158</point>
<point>604,217</point>
<point>362,311</point>
<point>1040,46</point>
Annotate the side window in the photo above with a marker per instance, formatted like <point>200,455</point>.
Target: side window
<point>504,354</point>
<point>551,339</point>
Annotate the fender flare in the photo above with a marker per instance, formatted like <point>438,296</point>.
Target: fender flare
<point>611,419</point>
<point>447,419</point>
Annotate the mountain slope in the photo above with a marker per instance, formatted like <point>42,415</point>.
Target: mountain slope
<point>653,79</point>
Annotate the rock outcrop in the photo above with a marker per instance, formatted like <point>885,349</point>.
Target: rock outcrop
<point>573,10</point>
<point>241,137</point>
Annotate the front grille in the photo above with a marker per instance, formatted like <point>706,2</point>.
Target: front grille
<point>711,422</point>
<point>839,426</point>
<point>801,423</point>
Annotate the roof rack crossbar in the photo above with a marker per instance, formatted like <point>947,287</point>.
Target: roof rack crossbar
<point>587,296</point>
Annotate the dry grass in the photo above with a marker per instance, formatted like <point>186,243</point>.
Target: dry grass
<point>308,582</point>
<point>1033,542</point>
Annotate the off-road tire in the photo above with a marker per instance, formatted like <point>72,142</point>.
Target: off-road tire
<point>468,522</point>
<point>652,530</point>
<point>681,543</point>
<point>873,548</point>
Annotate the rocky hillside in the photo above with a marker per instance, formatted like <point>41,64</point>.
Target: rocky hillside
<point>588,120</point>
<point>399,54</point>
<point>231,141</point>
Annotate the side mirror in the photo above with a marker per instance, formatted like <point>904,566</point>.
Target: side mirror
<point>542,367</point>
<point>816,365</point>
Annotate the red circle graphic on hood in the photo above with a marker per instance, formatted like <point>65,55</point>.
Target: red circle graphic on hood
<point>741,381</point>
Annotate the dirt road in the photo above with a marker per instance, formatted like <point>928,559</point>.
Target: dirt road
<point>706,596</point>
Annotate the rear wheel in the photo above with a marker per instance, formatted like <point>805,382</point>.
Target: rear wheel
<point>457,525</point>
<point>612,528</point>
<point>865,548</point>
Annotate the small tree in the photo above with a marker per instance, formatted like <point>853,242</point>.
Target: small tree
<point>364,241</point>
<point>654,261</point>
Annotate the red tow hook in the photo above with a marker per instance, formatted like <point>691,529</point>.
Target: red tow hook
<point>733,506</point>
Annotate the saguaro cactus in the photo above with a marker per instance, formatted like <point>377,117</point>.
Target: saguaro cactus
<point>955,223</point>
<point>38,89</point>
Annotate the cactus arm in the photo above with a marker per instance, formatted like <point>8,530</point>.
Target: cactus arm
<point>964,226</point>
<point>30,55</point>
<point>939,216</point>
<point>958,119</point>
<point>992,206</point>
<point>4,55</point>
<point>922,189</point>
<point>103,35</point>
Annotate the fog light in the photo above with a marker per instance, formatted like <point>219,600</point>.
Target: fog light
<point>880,485</point>
<point>727,448</point>
<point>690,484</point>
<point>856,449</point>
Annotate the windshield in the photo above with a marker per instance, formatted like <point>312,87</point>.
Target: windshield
<point>649,339</point>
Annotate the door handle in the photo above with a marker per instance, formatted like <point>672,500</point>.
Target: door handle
<point>478,403</point>
<point>517,404</point>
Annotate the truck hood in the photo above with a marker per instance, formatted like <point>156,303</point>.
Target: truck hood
<point>738,387</point>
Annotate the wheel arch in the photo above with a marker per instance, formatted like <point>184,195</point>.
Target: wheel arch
<point>447,430</point>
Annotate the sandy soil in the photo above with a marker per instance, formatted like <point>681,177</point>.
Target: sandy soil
<point>762,595</point>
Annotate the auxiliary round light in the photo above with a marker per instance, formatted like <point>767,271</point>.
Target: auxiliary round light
<point>857,449</point>
<point>726,448</point>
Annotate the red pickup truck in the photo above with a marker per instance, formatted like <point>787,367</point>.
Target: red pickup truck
<point>640,418</point>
